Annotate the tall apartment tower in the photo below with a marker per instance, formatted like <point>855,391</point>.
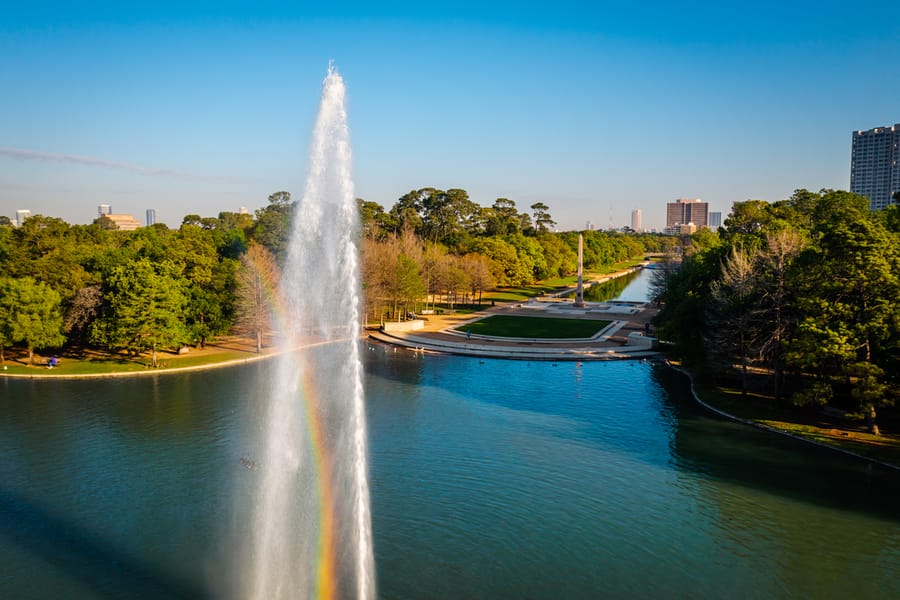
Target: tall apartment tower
<point>715,220</point>
<point>104,209</point>
<point>151,216</point>
<point>687,210</point>
<point>875,165</point>
<point>636,220</point>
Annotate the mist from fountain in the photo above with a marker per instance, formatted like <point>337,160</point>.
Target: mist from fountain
<point>311,525</point>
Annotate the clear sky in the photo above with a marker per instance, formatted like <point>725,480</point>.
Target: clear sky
<point>594,108</point>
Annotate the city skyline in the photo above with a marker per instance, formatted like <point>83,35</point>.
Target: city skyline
<point>593,109</point>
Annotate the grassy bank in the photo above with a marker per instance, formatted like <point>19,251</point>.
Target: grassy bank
<point>534,327</point>
<point>82,362</point>
<point>845,433</point>
<point>523,292</point>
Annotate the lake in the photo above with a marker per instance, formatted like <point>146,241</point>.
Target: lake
<point>489,479</point>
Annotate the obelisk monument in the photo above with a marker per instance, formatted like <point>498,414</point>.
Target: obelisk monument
<point>579,295</point>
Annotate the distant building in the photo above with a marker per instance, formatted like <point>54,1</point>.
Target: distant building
<point>875,165</point>
<point>588,226</point>
<point>686,211</point>
<point>151,216</point>
<point>715,220</point>
<point>243,211</point>
<point>680,229</point>
<point>636,220</point>
<point>21,215</point>
<point>104,209</point>
<point>124,222</point>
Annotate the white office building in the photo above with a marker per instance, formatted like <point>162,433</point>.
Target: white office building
<point>636,220</point>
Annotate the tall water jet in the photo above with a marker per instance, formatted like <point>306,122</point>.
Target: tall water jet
<point>311,526</point>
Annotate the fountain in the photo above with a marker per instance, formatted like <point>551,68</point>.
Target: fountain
<point>311,533</point>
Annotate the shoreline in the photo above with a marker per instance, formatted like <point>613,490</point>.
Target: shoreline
<point>272,352</point>
<point>147,372</point>
<point>441,346</point>
<point>718,411</point>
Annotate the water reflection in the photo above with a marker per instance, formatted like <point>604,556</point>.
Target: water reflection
<point>718,449</point>
<point>82,555</point>
<point>490,479</point>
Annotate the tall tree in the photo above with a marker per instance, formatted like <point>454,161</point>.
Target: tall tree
<point>848,297</point>
<point>543,222</point>
<point>257,284</point>
<point>273,224</point>
<point>29,313</point>
<point>84,309</point>
<point>502,218</point>
<point>144,309</point>
<point>734,297</point>
<point>478,269</point>
<point>777,316</point>
<point>374,221</point>
<point>407,212</point>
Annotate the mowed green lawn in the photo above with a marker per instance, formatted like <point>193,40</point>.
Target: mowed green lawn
<point>534,327</point>
<point>113,364</point>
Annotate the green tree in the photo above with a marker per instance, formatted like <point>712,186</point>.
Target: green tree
<point>847,298</point>
<point>29,313</point>
<point>408,284</point>
<point>447,216</point>
<point>509,269</point>
<point>144,308</point>
<point>543,222</point>
<point>406,213</point>
<point>273,224</point>
<point>372,218</point>
<point>751,217</point>
<point>683,290</point>
<point>47,249</point>
<point>502,218</point>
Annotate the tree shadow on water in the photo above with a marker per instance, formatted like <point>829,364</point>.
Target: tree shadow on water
<point>84,556</point>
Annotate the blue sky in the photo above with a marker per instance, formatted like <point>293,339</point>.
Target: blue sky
<point>593,108</point>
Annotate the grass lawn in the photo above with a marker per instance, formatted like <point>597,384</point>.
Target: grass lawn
<point>618,266</point>
<point>520,293</point>
<point>841,433</point>
<point>534,327</point>
<point>524,292</point>
<point>98,364</point>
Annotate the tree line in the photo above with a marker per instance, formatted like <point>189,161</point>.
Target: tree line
<point>156,288</point>
<point>804,291</point>
<point>440,247</point>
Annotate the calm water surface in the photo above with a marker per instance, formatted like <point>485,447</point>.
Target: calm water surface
<point>490,479</point>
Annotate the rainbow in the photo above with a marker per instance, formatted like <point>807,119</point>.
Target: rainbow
<point>322,461</point>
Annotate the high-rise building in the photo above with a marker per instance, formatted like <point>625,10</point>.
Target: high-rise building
<point>715,220</point>
<point>151,216</point>
<point>104,209</point>
<point>636,220</point>
<point>686,211</point>
<point>21,215</point>
<point>875,165</point>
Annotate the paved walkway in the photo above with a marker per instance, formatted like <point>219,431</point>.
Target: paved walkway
<point>624,338</point>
